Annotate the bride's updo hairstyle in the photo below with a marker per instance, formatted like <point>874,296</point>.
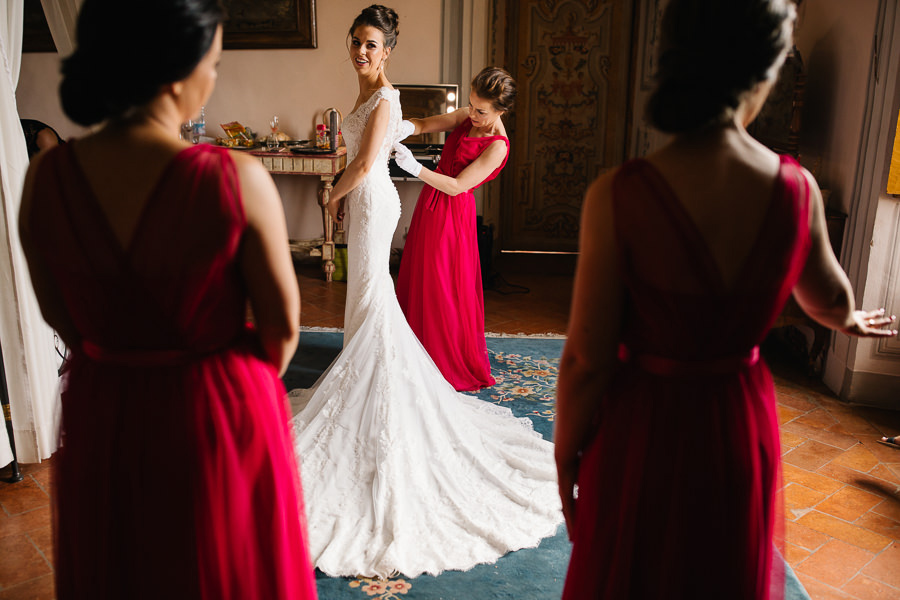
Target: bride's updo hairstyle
<point>127,50</point>
<point>712,52</point>
<point>497,86</point>
<point>383,19</point>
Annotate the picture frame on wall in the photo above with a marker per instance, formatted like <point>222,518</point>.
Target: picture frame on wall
<point>251,24</point>
<point>35,31</point>
<point>255,24</point>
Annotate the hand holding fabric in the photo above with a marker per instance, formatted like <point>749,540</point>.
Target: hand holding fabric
<point>406,160</point>
<point>407,128</point>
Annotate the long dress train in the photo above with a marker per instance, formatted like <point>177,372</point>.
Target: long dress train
<point>401,472</point>
<point>439,286</point>
<point>677,493</point>
<point>176,477</point>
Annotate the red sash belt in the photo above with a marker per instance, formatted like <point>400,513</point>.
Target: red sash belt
<point>143,358</point>
<point>673,367</point>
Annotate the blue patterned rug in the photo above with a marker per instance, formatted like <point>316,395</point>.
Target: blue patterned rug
<point>525,369</point>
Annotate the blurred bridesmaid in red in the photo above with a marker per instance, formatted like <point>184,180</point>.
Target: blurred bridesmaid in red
<point>667,419</point>
<point>439,286</point>
<point>176,476</point>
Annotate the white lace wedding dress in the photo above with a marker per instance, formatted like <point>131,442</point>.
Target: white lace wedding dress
<point>400,472</point>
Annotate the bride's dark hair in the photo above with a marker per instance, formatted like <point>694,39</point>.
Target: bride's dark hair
<point>712,52</point>
<point>381,18</point>
<point>127,50</point>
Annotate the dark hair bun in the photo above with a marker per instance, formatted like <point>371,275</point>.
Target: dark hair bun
<point>496,85</point>
<point>381,18</point>
<point>712,52</point>
<point>115,68</point>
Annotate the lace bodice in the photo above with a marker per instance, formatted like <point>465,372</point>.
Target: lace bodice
<point>372,211</point>
<point>355,124</point>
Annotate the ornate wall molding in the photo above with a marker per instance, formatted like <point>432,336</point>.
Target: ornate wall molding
<point>572,62</point>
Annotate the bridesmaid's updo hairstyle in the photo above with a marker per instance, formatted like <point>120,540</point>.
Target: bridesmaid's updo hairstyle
<point>711,53</point>
<point>126,51</point>
<point>383,19</point>
<point>497,86</point>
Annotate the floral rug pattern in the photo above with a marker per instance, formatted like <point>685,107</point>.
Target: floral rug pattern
<point>524,378</point>
<point>384,589</point>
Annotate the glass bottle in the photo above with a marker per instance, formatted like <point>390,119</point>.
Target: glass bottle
<point>199,126</point>
<point>272,140</point>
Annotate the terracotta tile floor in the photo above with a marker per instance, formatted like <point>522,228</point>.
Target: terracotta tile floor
<point>842,489</point>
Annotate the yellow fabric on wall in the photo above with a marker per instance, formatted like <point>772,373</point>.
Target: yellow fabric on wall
<point>893,186</point>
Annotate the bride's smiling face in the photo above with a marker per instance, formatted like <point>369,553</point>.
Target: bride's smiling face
<point>367,51</point>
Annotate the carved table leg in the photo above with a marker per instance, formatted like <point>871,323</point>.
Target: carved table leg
<point>328,245</point>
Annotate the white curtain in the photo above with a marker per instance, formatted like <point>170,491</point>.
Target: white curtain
<point>26,340</point>
<point>61,17</point>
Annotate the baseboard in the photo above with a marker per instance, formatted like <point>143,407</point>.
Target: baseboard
<point>871,389</point>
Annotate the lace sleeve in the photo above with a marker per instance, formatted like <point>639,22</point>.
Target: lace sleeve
<point>393,97</point>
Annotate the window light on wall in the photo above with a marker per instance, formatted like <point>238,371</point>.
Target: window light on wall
<point>893,186</point>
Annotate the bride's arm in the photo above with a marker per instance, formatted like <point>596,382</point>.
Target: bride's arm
<point>442,122</point>
<point>359,167</point>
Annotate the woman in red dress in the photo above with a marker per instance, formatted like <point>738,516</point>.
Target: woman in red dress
<point>667,420</point>
<point>439,286</point>
<point>176,476</point>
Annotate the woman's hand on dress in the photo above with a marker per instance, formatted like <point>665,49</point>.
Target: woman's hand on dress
<point>871,324</point>
<point>406,160</point>
<point>407,128</point>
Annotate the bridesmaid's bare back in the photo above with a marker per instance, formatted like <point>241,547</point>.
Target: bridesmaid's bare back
<point>122,168</point>
<point>724,181</point>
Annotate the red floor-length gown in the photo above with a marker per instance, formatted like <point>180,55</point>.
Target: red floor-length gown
<point>176,477</point>
<point>677,492</point>
<point>439,285</point>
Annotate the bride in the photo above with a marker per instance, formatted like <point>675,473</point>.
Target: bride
<point>400,472</point>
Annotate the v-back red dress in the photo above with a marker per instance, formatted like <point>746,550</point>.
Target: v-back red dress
<point>677,491</point>
<point>176,477</point>
<point>439,285</point>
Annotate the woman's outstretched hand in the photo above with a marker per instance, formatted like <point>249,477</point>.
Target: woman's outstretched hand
<point>406,160</point>
<point>871,324</point>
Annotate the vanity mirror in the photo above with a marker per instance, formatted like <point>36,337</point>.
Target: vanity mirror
<point>425,100</point>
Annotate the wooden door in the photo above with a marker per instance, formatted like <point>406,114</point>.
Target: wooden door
<point>572,62</point>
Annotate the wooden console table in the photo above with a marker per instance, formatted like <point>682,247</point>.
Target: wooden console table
<point>324,166</point>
